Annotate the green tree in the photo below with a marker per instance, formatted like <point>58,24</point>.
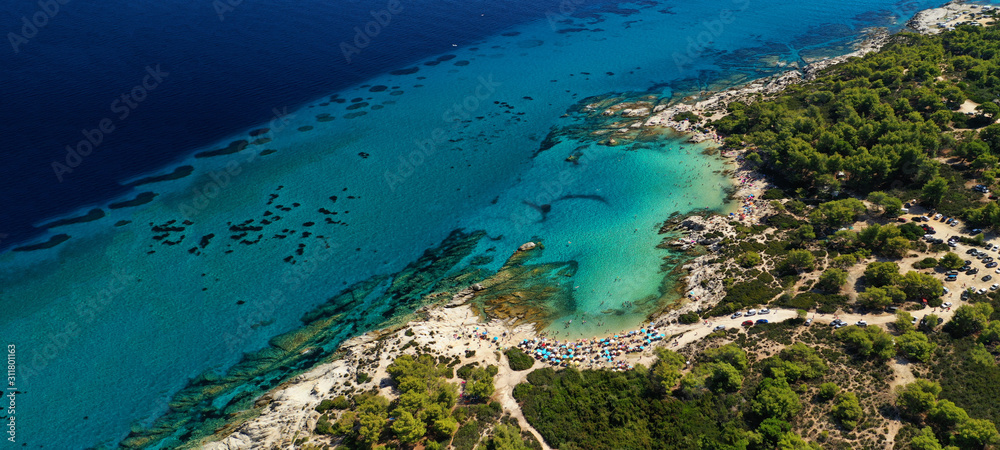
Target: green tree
<point>915,345</point>
<point>885,204</point>
<point>775,399</point>
<point>874,298</point>
<point>951,261</point>
<point>730,354</point>
<point>933,192</point>
<point>976,433</point>
<point>506,437</point>
<point>373,413</point>
<point>800,260</point>
<point>991,333</point>
<point>723,378</point>
<point>981,356</point>
<point>792,441</point>
<point>904,322</point>
<point>827,391</point>
<point>880,274</point>
<point>749,259</point>
<point>843,261</point>
<point>868,341</point>
<point>838,212</point>
<point>666,371</point>
<point>989,109</point>
<point>929,322</point>
<point>445,427</point>
<point>896,247</point>
<point>925,440</point>
<point>832,280</point>
<point>916,398</point>
<point>970,319</point>
<point>945,416</point>
<point>847,410</point>
<point>918,286</point>
<point>407,428</point>
<point>480,384</point>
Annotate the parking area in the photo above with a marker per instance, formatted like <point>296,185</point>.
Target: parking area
<point>981,271</point>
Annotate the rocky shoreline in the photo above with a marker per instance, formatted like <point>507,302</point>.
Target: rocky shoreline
<point>714,107</point>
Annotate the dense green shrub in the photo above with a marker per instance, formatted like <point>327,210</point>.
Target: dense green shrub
<point>742,295</point>
<point>519,360</point>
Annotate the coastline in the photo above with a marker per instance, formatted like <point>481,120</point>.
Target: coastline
<point>287,411</point>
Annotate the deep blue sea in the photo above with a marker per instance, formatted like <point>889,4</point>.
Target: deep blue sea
<point>371,129</point>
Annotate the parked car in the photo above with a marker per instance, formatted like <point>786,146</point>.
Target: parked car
<point>991,265</point>
<point>862,323</point>
<point>946,304</point>
<point>719,328</point>
<point>971,251</point>
<point>736,314</point>
<point>987,278</point>
<point>808,322</point>
<point>946,290</point>
<point>760,321</point>
<point>981,291</point>
<point>937,216</point>
<point>748,323</point>
<point>764,311</point>
<point>751,312</point>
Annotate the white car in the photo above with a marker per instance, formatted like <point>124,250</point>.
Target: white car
<point>994,287</point>
<point>946,304</point>
<point>764,311</point>
<point>981,291</point>
<point>751,312</point>
<point>946,290</point>
<point>938,216</point>
<point>862,323</point>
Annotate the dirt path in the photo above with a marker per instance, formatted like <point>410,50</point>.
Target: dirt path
<point>506,380</point>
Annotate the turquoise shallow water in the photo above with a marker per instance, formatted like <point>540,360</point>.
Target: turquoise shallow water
<point>110,324</point>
